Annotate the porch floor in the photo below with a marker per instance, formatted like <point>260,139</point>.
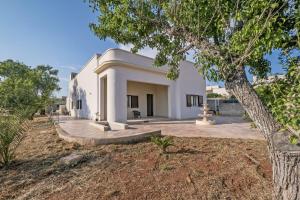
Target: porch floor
<point>83,132</point>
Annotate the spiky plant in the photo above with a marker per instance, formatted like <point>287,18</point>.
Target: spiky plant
<point>12,131</point>
<point>162,142</point>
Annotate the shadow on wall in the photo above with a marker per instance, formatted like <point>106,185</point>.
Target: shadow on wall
<point>77,95</point>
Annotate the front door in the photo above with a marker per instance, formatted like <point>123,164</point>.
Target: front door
<point>149,105</point>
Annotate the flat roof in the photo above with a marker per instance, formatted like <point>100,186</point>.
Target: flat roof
<point>99,56</point>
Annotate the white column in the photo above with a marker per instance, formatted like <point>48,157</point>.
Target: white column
<point>102,98</point>
<point>98,96</point>
<point>169,103</point>
<point>173,106</point>
<point>116,96</point>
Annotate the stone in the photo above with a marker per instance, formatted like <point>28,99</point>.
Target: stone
<point>72,160</point>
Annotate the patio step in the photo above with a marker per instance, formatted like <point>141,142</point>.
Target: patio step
<point>101,126</point>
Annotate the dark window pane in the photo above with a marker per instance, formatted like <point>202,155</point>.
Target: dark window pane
<point>194,100</point>
<point>79,104</point>
<point>134,102</point>
<point>188,100</point>
<point>200,101</point>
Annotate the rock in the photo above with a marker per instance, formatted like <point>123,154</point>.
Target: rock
<point>44,132</point>
<point>188,179</point>
<point>112,193</point>
<point>72,160</point>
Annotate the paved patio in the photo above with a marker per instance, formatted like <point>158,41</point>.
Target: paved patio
<point>225,127</point>
<point>83,132</point>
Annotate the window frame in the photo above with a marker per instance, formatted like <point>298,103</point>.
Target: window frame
<point>129,101</point>
<point>193,100</point>
<point>79,104</point>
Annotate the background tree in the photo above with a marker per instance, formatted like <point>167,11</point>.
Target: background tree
<point>214,95</point>
<point>225,37</point>
<point>24,88</point>
<point>282,96</point>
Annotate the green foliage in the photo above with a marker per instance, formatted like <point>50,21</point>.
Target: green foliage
<point>162,142</point>
<point>246,117</point>
<point>294,139</point>
<point>223,35</point>
<point>283,95</point>
<point>253,125</point>
<point>214,95</point>
<point>12,131</point>
<point>24,88</point>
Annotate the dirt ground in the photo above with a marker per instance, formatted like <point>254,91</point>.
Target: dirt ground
<point>195,168</point>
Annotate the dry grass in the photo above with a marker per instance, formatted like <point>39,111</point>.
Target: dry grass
<point>196,168</point>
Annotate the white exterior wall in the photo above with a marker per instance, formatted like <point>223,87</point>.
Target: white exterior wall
<point>189,83</point>
<point>84,87</point>
<point>119,67</point>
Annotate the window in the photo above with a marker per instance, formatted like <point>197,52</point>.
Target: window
<point>132,101</point>
<point>194,100</point>
<point>72,105</point>
<point>79,104</point>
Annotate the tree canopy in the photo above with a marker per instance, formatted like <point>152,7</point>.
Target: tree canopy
<point>223,35</point>
<point>25,88</point>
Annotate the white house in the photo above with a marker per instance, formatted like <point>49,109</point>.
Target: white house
<point>267,80</point>
<point>113,85</point>
<point>218,90</point>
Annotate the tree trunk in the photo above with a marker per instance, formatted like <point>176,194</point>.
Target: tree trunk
<point>285,158</point>
<point>286,172</point>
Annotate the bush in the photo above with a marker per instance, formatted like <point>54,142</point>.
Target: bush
<point>12,132</point>
<point>162,142</point>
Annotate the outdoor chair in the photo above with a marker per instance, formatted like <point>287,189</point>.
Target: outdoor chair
<point>136,114</point>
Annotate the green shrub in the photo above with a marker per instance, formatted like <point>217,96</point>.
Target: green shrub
<point>162,142</point>
<point>12,132</point>
<point>294,139</point>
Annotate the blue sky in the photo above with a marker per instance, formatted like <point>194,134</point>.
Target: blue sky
<point>55,32</point>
